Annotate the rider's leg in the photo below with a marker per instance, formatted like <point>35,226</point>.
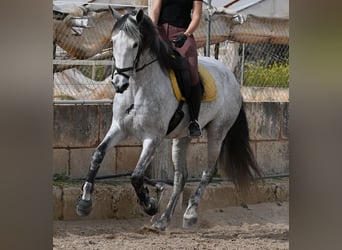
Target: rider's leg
<point>194,103</point>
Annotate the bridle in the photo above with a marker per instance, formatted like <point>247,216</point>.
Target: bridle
<point>132,69</point>
<point>122,71</point>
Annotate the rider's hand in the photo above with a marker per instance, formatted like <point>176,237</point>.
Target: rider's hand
<point>180,40</point>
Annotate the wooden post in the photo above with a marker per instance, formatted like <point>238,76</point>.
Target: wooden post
<point>217,50</point>
<point>161,166</point>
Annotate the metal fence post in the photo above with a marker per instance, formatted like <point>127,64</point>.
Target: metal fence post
<point>149,6</point>
<point>242,63</point>
<point>209,14</point>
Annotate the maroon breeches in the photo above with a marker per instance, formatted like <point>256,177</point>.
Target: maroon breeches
<point>188,50</point>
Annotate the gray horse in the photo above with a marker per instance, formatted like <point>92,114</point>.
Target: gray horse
<point>143,106</point>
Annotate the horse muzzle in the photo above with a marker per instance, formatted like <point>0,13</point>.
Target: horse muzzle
<point>121,89</point>
<point>120,86</point>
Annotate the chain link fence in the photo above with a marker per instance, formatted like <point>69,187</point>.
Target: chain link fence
<point>255,49</point>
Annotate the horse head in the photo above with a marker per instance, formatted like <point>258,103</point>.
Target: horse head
<point>126,40</point>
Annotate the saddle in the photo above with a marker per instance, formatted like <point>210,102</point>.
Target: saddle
<point>180,81</point>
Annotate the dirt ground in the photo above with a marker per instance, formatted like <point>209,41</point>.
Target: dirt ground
<point>260,226</point>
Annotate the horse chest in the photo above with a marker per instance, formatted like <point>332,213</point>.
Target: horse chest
<point>136,118</point>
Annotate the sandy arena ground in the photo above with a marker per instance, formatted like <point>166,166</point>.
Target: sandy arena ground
<point>261,226</point>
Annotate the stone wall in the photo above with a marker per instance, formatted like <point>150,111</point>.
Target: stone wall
<point>78,129</point>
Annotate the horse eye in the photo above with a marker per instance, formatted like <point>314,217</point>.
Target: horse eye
<point>135,45</point>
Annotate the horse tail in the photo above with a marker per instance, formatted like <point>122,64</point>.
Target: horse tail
<point>236,158</point>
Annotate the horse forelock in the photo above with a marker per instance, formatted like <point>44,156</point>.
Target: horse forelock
<point>148,37</point>
<point>129,26</point>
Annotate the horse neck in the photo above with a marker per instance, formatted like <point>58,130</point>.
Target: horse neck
<point>151,90</point>
<point>152,78</point>
<point>145,58</point>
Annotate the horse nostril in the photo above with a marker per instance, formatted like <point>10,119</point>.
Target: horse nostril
<point>121,89</point>
<point>117,90</point>
<point>124,87</point>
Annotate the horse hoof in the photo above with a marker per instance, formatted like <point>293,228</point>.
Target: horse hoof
<point>152,209</point>
<point>189,222</point>
<point>83,207</point>
<point>160,225</point>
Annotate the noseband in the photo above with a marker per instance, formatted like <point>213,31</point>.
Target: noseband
<point>121,71</point>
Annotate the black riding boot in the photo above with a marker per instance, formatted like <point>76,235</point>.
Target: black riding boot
<point>194,103</point>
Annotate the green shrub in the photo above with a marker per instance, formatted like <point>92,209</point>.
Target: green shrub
<point>99,72</point>
<point>275,75</point>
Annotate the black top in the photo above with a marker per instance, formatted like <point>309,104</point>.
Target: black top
<point>176,12</point>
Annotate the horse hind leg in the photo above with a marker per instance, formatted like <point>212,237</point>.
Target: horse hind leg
<point>214,145</point>
<point>179,153</point>
<point>84,203</point>
<point>231,151</point>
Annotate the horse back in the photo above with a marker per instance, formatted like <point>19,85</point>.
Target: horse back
<point>225,80</point>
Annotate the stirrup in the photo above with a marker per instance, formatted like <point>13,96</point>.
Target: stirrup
<point>194,129</point>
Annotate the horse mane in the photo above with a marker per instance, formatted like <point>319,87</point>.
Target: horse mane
<point>148,36</point>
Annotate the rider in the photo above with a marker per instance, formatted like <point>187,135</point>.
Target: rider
<point>175,23</point>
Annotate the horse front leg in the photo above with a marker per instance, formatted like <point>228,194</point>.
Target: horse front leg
<point>149,204</point>
<point>214,145</point>
<point>84,203</point>
<point>179,153</point>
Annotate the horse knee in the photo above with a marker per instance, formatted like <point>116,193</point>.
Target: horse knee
<point>137,180</point>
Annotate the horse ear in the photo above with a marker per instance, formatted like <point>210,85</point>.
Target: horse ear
<point>139,16</point>
<point>116,14</point>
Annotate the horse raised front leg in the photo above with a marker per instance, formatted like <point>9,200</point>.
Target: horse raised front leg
<point>84,203</point>
<point>179,153</point>
<point>149,204</point>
